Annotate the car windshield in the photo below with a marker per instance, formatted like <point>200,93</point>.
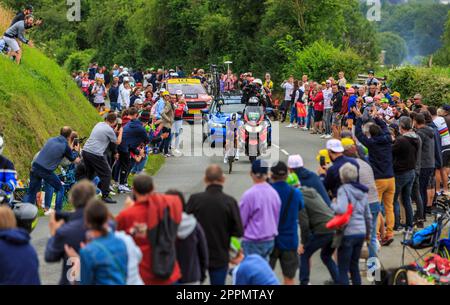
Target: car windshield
<point>230,108</point>
<point>187,88</point>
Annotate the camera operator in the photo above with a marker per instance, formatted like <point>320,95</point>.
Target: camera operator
<point>94,153</point>
<point>71,232</point>
<point>45,164</point>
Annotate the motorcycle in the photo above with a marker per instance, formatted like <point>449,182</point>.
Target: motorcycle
<point>26,213</point>
<point>254,134</point>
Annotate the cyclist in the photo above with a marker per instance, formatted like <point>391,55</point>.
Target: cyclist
<point>8,175</point>
<point>232,131</point>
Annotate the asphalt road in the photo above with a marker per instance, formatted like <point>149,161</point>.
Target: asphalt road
<point>186,174</point>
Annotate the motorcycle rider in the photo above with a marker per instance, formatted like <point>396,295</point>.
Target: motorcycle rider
<point>8,174</point>
<point>232,131</point>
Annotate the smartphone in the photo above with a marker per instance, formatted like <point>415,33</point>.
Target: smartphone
<point>119,126</point>
<point>76,142</point>
<point>322,161</point>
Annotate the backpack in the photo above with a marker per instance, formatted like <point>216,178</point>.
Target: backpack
<point>164,218</point>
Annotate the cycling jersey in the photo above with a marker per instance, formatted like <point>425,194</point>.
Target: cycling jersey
<point>8,176</point>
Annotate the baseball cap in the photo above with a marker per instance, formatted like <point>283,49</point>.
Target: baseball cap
<point>384,100</point>
<point>162,90</point>
<point>446,108</point>
<point>346,142</point>
<point>418,97</point>
<point>370,72</point>
<point>323,83</point>
<point>260,168</point>
<point>179,92</point>
<point>369,99</point>
<point>279,169</point>
<point>165,93</point>
<point>295,161</point>
<point>396,94</point>
<point>139,101</point>
<point>328,81</point>
<point>335,146</point>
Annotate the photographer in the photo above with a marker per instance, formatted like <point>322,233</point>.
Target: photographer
<point>50,156</point>
<point>94,153</point>
<point>71,232</point>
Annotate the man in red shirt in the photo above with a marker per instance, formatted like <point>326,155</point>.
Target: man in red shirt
<point>141,216</point>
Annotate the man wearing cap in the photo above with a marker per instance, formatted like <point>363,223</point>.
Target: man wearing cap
<point>307,178</point>
<point>378,141</point>
<point>330,177</point>
<point>260,211</point>
<point>385,112</point>
<point>386,93</point>
<point>134,134</point>
<point>286,243</point>
<point>396,97</point>
<point>371,80</point>
<point>366,177</point>
<point>20,16</point>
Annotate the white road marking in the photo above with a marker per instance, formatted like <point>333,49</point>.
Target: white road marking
<point>285,152</point>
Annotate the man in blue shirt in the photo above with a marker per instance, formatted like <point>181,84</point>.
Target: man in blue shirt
<point>48,160</point>
<point>330,177</point>
<point>286,243</point>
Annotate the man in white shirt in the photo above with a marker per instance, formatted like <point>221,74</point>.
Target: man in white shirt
<point>288,86</point>
<point>327,95</point>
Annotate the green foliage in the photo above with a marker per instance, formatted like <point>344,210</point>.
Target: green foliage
<point>395,47</point>
<point>79,60</point>
<point>321,60</point>
<point>37,98</point>
<point>419,24</point>
<point>196,33</point>
<point>431,83</point>
<point>442,57</point>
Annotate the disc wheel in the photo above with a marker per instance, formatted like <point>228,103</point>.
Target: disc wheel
<point>400,277</point>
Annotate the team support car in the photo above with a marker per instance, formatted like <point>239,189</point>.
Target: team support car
<point>197,99</point>
<point>215,118</point>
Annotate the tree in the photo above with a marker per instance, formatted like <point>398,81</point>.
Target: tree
<point>395,47</point>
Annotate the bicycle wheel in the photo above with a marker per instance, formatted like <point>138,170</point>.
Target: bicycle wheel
<point>400,277</point>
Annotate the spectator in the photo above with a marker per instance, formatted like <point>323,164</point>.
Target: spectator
<point>167,119</point>
<point>104,260</point>
<point>286,243</point>
<point>47,161</point>
<point>71,232</point>
<point>99,92</point>
<point>444,151</point>
<point>94,149</point>
<point>124,93</point>
<point>288,86</point>
<point>358,228</point>
<point>371,80</point>
<point>328,109</point>
<point>307,177</point>
<point>141,216</point>
<point>114,95</point>
<point>318,108</point>
<point>218,214</point>
<point>252,270</point>
<point>315,235</point>
<point>378,141</point>
<point>366,177</point>
<point>331,177</point>
<point>342,82</point>
<point>427,158</point>
<point>134,135</point>
<point>19,262</point>
<point>192,249</point>
<point>134,255</point>
<point>20,16</point>
<point>336,117</point>
<point>17,31</point>
<point>405,151</point>
<point>260,211</point>
<point>417,102</point>
<point>180,108</point>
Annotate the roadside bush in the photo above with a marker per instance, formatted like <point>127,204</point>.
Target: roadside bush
<point>79,60</point>
<point>432,84</point>
<point>321,60</point>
